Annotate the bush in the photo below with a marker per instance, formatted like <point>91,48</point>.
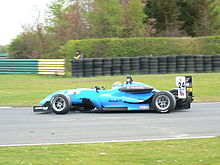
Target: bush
<point>154,46</point>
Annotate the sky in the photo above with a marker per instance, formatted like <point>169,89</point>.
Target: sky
<point>15,13</point>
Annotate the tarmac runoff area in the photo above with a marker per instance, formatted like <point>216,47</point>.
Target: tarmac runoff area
<point>20,126</point>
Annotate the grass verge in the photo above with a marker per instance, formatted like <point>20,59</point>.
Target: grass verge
<point>169,152</point>
<point>28,90</point>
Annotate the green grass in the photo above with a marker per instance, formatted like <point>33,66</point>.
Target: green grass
<point>28,90</point>
<point>170,152</point>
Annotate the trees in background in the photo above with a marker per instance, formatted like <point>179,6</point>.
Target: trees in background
<point>105,19</point>
<point>206,17</point>
<point>118,18</point>
<point>183,17</point>
<point>135,22</point>
<point>199,17</point>
<point>166,13</point>
<point>3,49</point>
<point>217,22</point>
<point>32,43</point>
<point>81,19</point>
<point>64,22</point>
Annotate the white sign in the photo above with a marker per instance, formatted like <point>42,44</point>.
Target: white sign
<point>181,84</point>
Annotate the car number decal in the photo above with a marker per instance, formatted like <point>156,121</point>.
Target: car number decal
<point>181,84</point>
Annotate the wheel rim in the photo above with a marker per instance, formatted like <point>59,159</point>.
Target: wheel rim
<point>58,104</point>
<point>162,102</point>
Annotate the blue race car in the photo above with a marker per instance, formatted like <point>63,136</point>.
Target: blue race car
<point>126,96</point>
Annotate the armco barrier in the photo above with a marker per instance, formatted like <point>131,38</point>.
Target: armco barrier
<point>3,55</point>
<point>51,66</point>
<point>32,66</point>
<point>145,65</point>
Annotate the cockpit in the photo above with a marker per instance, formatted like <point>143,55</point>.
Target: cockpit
<point>118,84</point>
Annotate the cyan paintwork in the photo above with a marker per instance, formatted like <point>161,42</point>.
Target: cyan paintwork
<point>109,98</point>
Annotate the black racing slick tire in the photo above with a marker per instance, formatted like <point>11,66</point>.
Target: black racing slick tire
<point>61,104</point>
<point>163,102</point>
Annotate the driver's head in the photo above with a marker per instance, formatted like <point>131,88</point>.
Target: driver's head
<point>117,84</point>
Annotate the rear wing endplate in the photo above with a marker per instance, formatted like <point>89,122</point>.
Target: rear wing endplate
<point>184,84</point>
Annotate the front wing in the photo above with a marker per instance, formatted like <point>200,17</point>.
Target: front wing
<point>44,108</point>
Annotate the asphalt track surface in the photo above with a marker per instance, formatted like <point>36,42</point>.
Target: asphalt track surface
<point>20,126</point>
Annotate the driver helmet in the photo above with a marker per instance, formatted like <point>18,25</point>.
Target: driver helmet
<point>117,84</point>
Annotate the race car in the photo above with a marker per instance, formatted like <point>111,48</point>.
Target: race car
<point>126,96</point>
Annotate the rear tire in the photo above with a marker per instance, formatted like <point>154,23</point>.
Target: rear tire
<point>163,102</point>
<point>61,104</point>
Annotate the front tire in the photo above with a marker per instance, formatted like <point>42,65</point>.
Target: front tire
<point>60,104</point>
<point>163,102</point>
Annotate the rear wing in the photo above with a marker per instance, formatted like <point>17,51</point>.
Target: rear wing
<point>184,84</point>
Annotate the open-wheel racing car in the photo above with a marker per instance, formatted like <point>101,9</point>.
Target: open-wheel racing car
<point>126,96</point>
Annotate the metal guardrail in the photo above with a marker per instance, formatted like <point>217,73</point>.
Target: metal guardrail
<point>3,55</point>
<point>145,65</point>
<point>51,66</point>
<point>32,66</point>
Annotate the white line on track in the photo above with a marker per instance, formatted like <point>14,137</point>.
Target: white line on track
<point>112,141</point>
<point>207,103</point>
<point>5,107</point>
